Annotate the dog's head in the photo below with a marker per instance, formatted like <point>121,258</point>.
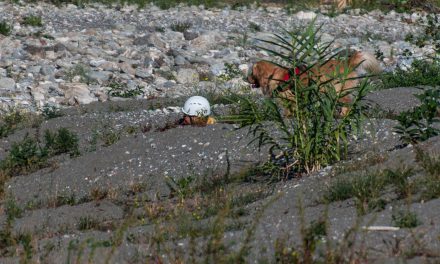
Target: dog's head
<point>252,78</point>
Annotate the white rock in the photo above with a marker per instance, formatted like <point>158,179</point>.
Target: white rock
<point>305,15</point>
<point>77,93</point>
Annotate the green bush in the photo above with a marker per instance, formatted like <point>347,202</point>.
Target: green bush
<point>10,121</point>
<point>63,141</point>
<point>5,28</point>
<point>51,111</point>
<point>34,21</point>
<point>421,72</point>
<point>29,155</point>
<point>24,157</point>
<point>314,137</point>
<point>416,125</point>
<point>120,89</point>
<point>405,219</point>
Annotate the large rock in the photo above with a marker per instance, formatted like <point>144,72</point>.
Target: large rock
<point>187,76</point>
<point>7,84</point>
<point>207,41</point>
<point>153,39</point>
<point>77,93</point>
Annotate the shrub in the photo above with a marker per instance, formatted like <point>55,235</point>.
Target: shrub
<point>314,137</point>
<point>5,28</point>
<point>10,121</point>
<point>421,72</point>
<point>416,125</point>
<point>405,219</point>
<point>34,21</point>
<point>51,111</point>
<point>119,89</point>
<point>181,26</point>
<point>63,141</point>
<point>25,156</point>
<point>28,155</point>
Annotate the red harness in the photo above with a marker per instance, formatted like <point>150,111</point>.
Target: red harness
<point>287,76</point>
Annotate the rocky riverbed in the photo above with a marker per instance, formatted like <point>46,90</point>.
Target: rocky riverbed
<point>96,53</point>
<point>142,189</point>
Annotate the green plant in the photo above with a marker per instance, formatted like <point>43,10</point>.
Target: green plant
<point>80,71</point>
<point>26,241</point>
<point>417,124</point>
<point>10,121</point>
<point>401,180</point>
<point>254,27</point>
<point>431,181</point>
<point>421,72</point>
<point>181,187</point>
<point>12,210</point>
<point>63,141</point>
<point>181,26</point>
<point>110,136</point>
<point>25,156</point>
<point>405,219</point>
<point>314,137</point>
<point>34,21</point>
<point>51,111</point>
<point>365,188</point>
<point>431,33</point>
<point>231,71</point>
<point>5,28</point>
<point>120,89</point>
<point>86,223</point>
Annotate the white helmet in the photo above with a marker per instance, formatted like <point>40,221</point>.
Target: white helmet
<point>197,106</point>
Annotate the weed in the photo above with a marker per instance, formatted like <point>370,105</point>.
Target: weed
<point>421,72</point>
<point>62,199</point>
<point>51,111</point>
<point>431,32</point>
<point>416,125</point>
<point>181,26</point>
<point>24,157</point>
<point>231,71</point>
<point>5,28</point>
<point>12,210</point>
<point>367,188</point>
<point>405,219</point>
<point>10,121</point>
<point>254,27</point>
<point>400,179</point>
<point>63,141</point>
<point>120,89</point>
<point>34,21</point>
<point>313,137</point>
<point>110,137</point>
<point>431,181</point>
<point>159,29</point>
<point>98,194</point>
<point>25,240</point>
<point>180,187</point>
<point>87,223</point>
<point>80,72</point>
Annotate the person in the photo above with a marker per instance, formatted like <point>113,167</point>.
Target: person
<point>197,112</point>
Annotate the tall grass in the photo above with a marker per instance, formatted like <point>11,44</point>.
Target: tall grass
<point>314,136</point>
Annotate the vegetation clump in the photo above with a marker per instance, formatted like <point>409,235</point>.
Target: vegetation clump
<point>34,21</point>
<point>418,124</point>
<point>314,136</point>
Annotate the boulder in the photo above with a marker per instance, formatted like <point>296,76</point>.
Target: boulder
<point>187,76</point>
<point>77,93</point>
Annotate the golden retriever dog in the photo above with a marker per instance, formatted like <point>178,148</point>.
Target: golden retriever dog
<point>268,76</point>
